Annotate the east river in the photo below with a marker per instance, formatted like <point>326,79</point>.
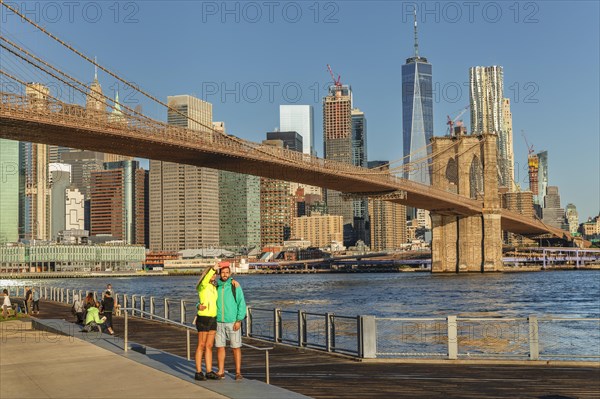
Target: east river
<point>551,293</point>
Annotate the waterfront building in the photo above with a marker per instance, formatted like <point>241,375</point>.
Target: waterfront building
<point>572,218</point>
<point>417,114</point>
<point>75,209</point>
<point>590,229</point>
<point>70,258</point>
<point>488,110</point>
<point>542,176</point>
<point>510,154</point>
<point>359,158</point>
<point>520,202</point>
<point>552,213</point>
<point>96,106</point>
<point>118,205</point>
<point>239,217</point>
<point>34,223</point>
<point>337,137</point>
<point>9,191</point>
<point>276,208</point>
<point>55,153</point>
<point>300,119</point>
<point>320,230</point>
<point>387,219</point>
<point>60,180</point>
<point>291,139</point>
<point>184,199</point>
<point>83,163</point>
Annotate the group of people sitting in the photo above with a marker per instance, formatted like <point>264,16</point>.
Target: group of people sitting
<point>88,310</point>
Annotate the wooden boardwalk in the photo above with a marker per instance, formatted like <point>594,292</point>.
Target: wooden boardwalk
<point>325,376</point>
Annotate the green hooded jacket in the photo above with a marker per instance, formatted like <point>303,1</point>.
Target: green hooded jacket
<point>230,309</point>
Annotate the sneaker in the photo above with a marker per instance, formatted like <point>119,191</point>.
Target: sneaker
<point>211,375</point>
<point>200,376</point>
<point>238,377</point>
<point>220,376</point>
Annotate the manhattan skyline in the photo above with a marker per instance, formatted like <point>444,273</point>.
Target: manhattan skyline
<point>535,56</point>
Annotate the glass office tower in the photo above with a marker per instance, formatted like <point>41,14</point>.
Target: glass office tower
<point>299,118</point>
<point>417,115</point>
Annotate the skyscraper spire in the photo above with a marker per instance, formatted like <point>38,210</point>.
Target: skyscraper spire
<point>416,39</point>
<point>95,70</point>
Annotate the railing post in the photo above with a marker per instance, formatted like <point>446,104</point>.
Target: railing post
<point>45,292</point>
<point>534,348</point>
<point>367,327</point>
<point>68,291</point>
<point>328,332</point>
<point>277,325</point>
<point>133,305</point>
<point>166,309</point>
<point>267,366</point>
<point>301,318</point>
<point>62,294</point>
<point>452,338</point>
<point>125,301</point>
<point>332,331</point>
<point>81,295</point>
<point>182,311</point>
<point>142,306</point>
<point>125,346</point>
<point>248,321</point>
<point>188,343</point>
<point>151,307</point>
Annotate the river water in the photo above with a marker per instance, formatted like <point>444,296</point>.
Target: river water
<point>551,293</point>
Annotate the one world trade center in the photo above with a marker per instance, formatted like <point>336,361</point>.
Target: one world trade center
<point>417,116</point>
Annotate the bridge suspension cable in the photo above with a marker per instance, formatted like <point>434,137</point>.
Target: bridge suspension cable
<point>211,129</point>
<point>62,80</point>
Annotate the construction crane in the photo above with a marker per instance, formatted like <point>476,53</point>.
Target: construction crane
<point>337,82</point>
<point>451,122</point>
<point>529,147</point>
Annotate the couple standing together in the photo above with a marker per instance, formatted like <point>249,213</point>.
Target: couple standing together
<point>221,309</point>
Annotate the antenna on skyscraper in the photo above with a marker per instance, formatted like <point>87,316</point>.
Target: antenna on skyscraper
<point>416,39</point>
<point>95,69</point>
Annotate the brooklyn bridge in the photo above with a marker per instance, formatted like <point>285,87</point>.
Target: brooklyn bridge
<point>467,224</point>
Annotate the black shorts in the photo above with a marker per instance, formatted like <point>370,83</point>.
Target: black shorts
<point>206,323</point>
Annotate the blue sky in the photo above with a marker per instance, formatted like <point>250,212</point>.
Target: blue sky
<point>248,57</point>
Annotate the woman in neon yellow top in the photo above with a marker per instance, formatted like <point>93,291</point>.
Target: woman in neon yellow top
<point>206,322</point>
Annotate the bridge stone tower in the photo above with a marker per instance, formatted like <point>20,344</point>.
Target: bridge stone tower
<point>466,165</point>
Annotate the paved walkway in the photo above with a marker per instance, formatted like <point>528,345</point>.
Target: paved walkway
<point>321,375</point>
<point>43,364</point>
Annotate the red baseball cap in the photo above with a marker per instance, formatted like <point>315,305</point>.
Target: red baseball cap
<point>224,265</point>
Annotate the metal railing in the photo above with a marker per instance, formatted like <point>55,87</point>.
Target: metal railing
<point>452,337</point>
<point>188,338</point>
<point>533,338</point>
<point>324,331</point>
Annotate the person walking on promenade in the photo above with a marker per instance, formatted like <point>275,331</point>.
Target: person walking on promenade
<point>231,310</point>
<point>108,305</point>
<point>28,300</point>
<point>35,297</point>
<point>6,304</point>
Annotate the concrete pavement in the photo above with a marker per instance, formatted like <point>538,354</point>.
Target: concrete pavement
<point>50,364</point>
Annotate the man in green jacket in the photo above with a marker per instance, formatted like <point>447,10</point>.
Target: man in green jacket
<point>231,310</point>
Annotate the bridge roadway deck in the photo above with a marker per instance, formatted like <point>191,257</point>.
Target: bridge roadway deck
<point>326,376</point>
<point>20,121</point>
